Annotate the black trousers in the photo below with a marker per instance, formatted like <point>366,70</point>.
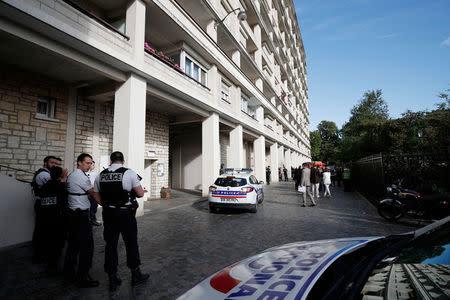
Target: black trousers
<point>49,235</point>
<point>80,243</point>
<point>93,210</point>
<point>118,221</point>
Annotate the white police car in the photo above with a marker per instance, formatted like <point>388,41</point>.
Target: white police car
<point>236,188</point>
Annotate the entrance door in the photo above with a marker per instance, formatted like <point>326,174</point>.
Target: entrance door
<point>147,178</point>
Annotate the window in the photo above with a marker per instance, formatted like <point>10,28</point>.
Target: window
<point>225,93</point>
<point>244,104</point>
<point>195,70</point>
<point>230,181</point>
<point>46,108</point>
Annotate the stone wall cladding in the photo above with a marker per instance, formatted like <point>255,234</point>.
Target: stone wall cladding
<point>106,129</point>
<point>157,139</point>
<point>84,127</point>
<point>24,139</point>
<point>224,141</point>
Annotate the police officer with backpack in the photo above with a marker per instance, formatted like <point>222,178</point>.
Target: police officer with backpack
<point>41,177</point>
<point>116,189</point>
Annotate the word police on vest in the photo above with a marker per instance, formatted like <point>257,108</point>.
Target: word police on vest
<point>111,177</point>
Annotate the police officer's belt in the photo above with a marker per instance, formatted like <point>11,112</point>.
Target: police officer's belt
<point>78,194</point>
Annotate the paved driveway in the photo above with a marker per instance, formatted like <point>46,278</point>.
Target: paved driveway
<point>181,242</point>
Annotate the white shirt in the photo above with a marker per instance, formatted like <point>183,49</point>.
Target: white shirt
<point>326,178</point>
<point>78,182</point>
<point>129,181</point>
<point>91,175</point>
<point>42,177</point>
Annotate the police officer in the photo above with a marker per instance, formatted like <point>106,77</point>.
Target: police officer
<point>116,189</point>
<point>80,239</point>
<point>40,177</point>
<point>51,208</point>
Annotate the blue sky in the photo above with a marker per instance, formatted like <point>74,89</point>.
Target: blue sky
<point>399,46</point>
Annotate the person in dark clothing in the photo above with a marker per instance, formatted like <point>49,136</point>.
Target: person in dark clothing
<point>339,175</point>
<point>297,177</point>
<point>285,173</point>
<point>268,172</point>
<point>50,209</point>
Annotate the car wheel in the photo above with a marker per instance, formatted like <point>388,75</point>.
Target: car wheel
<point>262,198</point>
<point>254,208</point>
<point>389,211</point>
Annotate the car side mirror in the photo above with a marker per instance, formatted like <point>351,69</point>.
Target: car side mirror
<point>261,182</point>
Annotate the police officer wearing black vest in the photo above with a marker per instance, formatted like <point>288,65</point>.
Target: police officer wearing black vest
<point>40,177</point>
<point>116,189</point>
<point>51,207</point>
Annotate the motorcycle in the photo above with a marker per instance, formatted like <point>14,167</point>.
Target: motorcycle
<point>408,202</point>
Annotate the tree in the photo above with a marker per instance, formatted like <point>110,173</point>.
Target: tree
<point>315,141</point>
<point>363,134</point>
<point>329,135</point>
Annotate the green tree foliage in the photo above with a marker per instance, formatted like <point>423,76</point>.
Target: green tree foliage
<point>329,135</point>
<point>364,133</point>
<point>316,142</point>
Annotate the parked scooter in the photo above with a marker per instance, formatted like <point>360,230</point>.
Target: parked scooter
<point>401,202</point>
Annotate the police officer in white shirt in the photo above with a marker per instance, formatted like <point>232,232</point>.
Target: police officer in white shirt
<point>116,189</point>
<point>80,239</point>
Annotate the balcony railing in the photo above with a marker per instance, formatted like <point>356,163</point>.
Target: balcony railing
<point>175,67</point>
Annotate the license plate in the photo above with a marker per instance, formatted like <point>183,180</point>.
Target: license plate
<point>228,200</point>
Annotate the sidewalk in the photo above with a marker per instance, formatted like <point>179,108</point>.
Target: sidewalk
<point>20,279</point>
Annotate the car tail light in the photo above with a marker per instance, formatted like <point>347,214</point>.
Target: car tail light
<point>212,188</point>
<point>247,189</point>
<point>419,195</point>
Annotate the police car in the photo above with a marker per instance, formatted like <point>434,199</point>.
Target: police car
<point>413,265</point>
<point>236,188</point>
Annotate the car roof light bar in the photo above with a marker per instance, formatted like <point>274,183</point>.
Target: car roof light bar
<point>238,170</point>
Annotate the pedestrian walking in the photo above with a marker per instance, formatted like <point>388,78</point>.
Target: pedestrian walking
<point>306,182</point>
<point>268,172</point>
<point>339,175</point>
<point>94,205</point>
<point>116,189</point>
<point>315,181</point>
<point>80,239</point>
<point>285,173</point>
<point>347,179</point>
<point>327,181</point>
<point>280,175</point>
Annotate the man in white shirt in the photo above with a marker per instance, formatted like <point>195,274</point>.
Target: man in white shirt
<point>80,239</point>
<point>116,189</point>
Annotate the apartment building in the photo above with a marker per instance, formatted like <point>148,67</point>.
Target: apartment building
<point>179,86</point>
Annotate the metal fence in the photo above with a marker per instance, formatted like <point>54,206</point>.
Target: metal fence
<point>427,173</point>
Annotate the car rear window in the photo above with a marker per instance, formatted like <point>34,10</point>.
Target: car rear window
<point>232,182</point>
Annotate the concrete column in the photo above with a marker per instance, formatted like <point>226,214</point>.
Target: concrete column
<point>129,125</point>
<point>281,156</point>
<point>210,151</point>
<point>69,157</point>
<point>135,29</point>
<point>236,57</point>
<point>258,52</point>
<point>236,95</point>
<point>260,114</point>
<point>259,149</point>
<point>236,148</point>
<point>288,162</point>
<point>214,84</point>
<point>211,30</point>
<point>274,162</point>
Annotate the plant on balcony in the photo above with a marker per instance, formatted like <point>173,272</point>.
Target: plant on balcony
<point>161,56</point>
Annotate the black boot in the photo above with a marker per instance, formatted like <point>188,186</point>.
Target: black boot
<point>137,277</point>
<point>114,282</point>
<point>86,281</point>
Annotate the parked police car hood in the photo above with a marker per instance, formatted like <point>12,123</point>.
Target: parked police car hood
<point>285,272</point>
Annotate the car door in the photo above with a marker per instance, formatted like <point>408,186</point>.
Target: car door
<point>257,186</point>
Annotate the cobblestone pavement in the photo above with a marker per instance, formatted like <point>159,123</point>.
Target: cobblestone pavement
<point>182,243</point>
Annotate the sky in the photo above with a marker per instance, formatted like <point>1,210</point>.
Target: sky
<point>399,46</point>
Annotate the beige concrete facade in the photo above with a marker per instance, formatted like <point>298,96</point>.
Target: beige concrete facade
<point>200,95</point>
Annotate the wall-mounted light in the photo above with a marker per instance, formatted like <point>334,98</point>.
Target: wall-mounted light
<point>242,16</point>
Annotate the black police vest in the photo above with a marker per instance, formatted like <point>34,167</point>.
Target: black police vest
<point>111,188</point>
<point>34,185</point>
